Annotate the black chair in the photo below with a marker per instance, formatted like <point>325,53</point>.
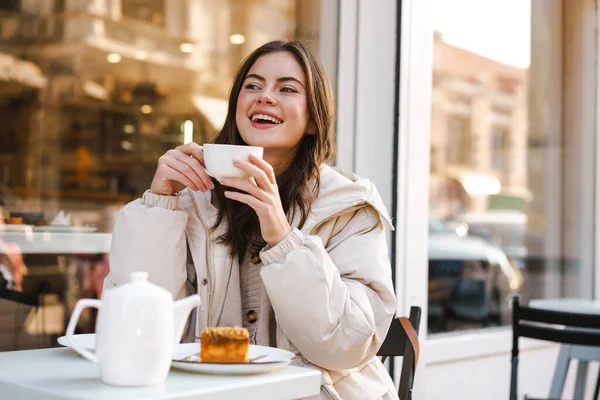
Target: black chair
<point>402,340</point>
<point>560,327</point>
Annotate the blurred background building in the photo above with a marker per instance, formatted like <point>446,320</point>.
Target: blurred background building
<point>116,83</point>
<point>478,132</point>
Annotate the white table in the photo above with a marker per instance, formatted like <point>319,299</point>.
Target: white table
<point>59,242</point>
<point>581,306</point>
<point>61,374</point>
<point>584,354</point>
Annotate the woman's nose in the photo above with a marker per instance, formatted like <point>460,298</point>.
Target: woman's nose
<point>265,97</point>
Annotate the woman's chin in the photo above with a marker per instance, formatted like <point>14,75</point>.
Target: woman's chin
<point>258,140</point>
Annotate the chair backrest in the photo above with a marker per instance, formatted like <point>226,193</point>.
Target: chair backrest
<point>553,326</point>
<point>398,343</point>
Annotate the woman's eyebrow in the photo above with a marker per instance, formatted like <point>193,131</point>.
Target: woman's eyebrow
<point>255,76</point>
<point>290,78</point>
<point>282,79</point>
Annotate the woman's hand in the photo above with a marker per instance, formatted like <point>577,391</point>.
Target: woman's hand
<point>262,194</point>
<point>180,168</point>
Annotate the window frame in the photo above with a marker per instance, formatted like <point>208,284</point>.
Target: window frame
<point>413,192</point>
<point>412,164</point>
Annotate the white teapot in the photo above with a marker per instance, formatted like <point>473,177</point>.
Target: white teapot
<point>138,327</point>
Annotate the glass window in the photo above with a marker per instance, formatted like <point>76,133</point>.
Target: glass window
<point>89,100</point>
<point>511,205</point>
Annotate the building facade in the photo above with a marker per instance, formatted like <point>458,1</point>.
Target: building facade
<point>479,129</point>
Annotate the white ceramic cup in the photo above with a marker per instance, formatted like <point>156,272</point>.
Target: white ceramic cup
<point>218,159</point>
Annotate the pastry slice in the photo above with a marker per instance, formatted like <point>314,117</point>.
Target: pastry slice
<point>224,345</point>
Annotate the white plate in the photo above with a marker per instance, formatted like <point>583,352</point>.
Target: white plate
<point>86,340</point>
<point>275,359</point>
<point>65,228</point>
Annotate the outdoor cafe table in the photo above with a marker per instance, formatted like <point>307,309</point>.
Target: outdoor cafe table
<point>59,373</point>
<point>583,354</point>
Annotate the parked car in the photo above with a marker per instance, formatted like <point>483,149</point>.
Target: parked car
<point>471,279</point>
<point>505,228</point>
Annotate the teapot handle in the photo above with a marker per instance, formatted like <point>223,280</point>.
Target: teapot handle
<point>81,304</point>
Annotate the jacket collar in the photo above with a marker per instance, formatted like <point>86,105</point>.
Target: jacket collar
<point>341,190</point>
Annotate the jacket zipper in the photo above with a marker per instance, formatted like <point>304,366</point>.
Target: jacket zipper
<point>208,258</point>
<point>277,329</point>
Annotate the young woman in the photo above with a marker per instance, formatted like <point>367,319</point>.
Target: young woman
<point>297,254</point>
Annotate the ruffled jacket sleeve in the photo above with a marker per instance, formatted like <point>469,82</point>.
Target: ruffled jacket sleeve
<point>149,235</point>
<point>332,292</point>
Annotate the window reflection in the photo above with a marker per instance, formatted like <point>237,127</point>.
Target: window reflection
<point>92,93</point>
<point>503,203</point>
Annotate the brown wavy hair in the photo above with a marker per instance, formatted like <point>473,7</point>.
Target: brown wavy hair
<point>299,183</point>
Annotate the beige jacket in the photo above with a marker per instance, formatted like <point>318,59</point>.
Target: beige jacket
<point>329,282</point>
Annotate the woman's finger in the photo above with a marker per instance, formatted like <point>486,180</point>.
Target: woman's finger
<point>251,201</point>
<point>255,172</point>
<point>174,175</point>
<point>265,166</point>
<point>193,149</point>
<point>245,186</point>
<point>184,169</point>
<point>197,168</point>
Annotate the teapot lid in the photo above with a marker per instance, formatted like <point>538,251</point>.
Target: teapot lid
<point>138,285</point>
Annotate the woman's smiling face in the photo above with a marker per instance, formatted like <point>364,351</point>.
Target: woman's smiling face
<point>271,110</point>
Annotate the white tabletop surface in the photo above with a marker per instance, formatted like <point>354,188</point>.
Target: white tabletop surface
<point>59,373</point>
<point>59,242</point>
<point>572,305</point>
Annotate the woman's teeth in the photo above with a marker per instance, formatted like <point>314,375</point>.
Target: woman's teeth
<point>263,117</point>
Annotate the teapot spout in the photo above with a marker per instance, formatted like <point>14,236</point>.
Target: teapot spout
<point>181,311</point>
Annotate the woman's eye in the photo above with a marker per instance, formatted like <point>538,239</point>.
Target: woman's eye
<point>251,86</point>
<point>288,90</point>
